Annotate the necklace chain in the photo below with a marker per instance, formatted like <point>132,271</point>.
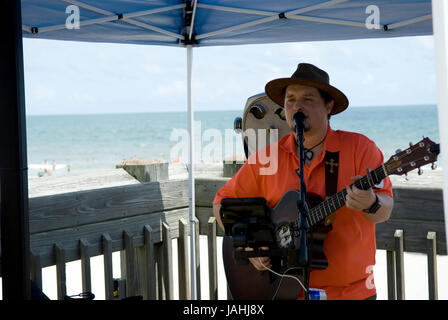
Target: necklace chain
<point>309,153</point>
<point>316,144</point>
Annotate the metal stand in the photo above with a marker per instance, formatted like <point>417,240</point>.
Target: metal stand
<point>302,207</point>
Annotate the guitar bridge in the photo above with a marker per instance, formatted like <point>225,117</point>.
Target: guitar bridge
<point>294,228</point>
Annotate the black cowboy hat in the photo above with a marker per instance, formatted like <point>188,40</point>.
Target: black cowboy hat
<point>308,75</point>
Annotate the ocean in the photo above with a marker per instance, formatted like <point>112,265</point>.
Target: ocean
<point>76,143</point>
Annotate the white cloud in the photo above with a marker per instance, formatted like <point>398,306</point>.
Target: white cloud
<point>43,93</point>
<point>368,78</point>
<point>272,68</point>
<point>174,88</point>
<point>78,97</point>
<point>426,42</point>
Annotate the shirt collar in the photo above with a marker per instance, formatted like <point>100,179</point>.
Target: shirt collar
<point>331,142</point>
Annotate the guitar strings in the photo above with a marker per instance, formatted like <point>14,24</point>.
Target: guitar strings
<point>319,212</point>
<point>282,276</point>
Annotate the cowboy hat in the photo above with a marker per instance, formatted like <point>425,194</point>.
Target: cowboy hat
<point>308,75</point>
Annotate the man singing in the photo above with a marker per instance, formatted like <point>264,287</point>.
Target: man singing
<point>350,246</point>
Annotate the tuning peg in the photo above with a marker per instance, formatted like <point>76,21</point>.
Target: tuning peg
<point>433,166</point>
<point>398,151</point>
<point>410,144</point>
<point>406,177</point>
<point>420,171</point>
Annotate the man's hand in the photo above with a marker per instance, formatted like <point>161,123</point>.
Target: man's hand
<point>358,199</point>
<point>260,263</point>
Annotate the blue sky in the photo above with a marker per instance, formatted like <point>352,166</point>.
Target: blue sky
<point>64,77</point>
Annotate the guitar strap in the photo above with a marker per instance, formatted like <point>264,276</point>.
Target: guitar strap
<point>331,161</point>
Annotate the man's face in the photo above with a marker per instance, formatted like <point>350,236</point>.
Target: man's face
<point>299,98</point>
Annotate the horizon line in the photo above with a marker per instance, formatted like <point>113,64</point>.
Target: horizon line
<point>210,110</point>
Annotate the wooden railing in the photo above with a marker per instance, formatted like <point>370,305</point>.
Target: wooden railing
<point>416,225</point>
<point>140,221</point>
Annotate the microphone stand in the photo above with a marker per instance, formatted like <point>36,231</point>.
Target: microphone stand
<point>303,210</point>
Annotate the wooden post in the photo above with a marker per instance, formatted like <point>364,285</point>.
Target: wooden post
<point>432,265</point>
<point>60,271</point>
<point>229,293</point>
<point>212,263</point>
<point>151,263</point>
<point>36,270</point>
<point>146,266</point>
<point>399,261</point>
<point>146,170</point>
<point>108,275</point>
<point>167,261</point>
<point>130,264</point>
<point>182,253</point>
<point>198,259</point>
<point>231,166</point>
<point>85,266</point>
<point>161,292</point>
<point>391,275</point>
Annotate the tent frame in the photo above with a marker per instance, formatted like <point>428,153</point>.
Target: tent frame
<point>269,16</point>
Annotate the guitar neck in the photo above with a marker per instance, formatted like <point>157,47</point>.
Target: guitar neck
<point>336,201</point>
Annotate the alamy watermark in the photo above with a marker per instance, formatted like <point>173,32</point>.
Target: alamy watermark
<point>215,145</point>
<point>373,20</point>
<point>73,21</point>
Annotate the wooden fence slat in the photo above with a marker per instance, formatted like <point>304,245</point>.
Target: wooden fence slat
<point>212,262</point>
<point>182,253</point>
<point>85,266</point>
<point>145,275</point>
<point>36,270</point>
<point>161,294</point>
<point>151,289</point>
<point>130,264</point>
<point>399,262</point>
<point>197,256</point>
<point>60,272</point>
<point>391,283</point>
<point>432,265</point>
<point>229,293</point>
<point>108,275</point>
<point>167,261</point>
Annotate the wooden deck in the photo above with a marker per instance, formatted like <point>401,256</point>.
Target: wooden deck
<point>78,216</point>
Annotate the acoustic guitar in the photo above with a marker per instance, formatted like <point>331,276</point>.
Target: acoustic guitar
<point>247,283</point>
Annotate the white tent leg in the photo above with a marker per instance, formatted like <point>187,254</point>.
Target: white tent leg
<point>440,26</point>
<point>191,177</point>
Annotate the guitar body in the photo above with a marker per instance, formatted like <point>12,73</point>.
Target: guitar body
<point>247,283</point>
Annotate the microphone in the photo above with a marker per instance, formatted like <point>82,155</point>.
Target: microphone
<point>299,122</point>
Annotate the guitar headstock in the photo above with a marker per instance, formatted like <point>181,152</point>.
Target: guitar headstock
<point>417,155</point>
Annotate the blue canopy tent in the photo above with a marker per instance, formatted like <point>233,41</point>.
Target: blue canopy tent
<point>186,24</point>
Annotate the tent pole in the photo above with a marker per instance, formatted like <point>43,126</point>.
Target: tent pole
<point>440,27</point>
<point>191,177</point>
<point>15,247</point>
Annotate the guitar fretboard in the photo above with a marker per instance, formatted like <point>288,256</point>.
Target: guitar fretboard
<point>336,201</point>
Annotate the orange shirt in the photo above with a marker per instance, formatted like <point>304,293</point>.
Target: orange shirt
<point>350,246</point>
